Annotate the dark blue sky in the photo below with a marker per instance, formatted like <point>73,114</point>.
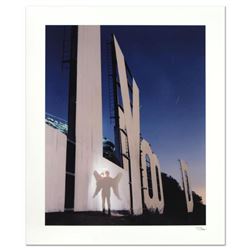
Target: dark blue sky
<point>168,64</point>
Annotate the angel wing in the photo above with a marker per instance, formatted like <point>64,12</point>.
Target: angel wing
<point>115,183</point>
<point>98,183</point>
<point>97,176</point>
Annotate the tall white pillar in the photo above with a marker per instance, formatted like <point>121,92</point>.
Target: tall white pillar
<point>88,116</point>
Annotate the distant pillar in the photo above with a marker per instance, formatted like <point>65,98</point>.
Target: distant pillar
<point>156,201</point>
<point>186,186</point>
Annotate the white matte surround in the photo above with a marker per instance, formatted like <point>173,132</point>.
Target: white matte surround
<point>213,233</point>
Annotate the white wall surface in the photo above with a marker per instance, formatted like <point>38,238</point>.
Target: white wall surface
<point>123,187</point>
<point>55,167</point>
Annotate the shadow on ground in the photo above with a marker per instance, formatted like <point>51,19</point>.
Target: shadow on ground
<point>98,218</point>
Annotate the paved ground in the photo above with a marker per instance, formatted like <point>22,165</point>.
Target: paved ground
<point>97,218</point>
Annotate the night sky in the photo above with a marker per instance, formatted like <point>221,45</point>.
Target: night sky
<point>168,64</point>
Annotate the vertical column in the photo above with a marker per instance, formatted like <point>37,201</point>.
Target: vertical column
<point>132,124</point>
<point>186,186</point>
<point>70,152</point>
<point>88,155</point>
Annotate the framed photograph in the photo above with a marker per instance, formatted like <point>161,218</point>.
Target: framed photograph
<point>125,125</point>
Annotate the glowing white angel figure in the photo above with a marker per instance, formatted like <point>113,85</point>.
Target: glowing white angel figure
<point>105,183</point>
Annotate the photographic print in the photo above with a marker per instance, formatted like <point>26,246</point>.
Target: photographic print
<point>125,126</point>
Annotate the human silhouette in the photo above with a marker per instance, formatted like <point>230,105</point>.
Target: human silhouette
<point>104,182</point>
